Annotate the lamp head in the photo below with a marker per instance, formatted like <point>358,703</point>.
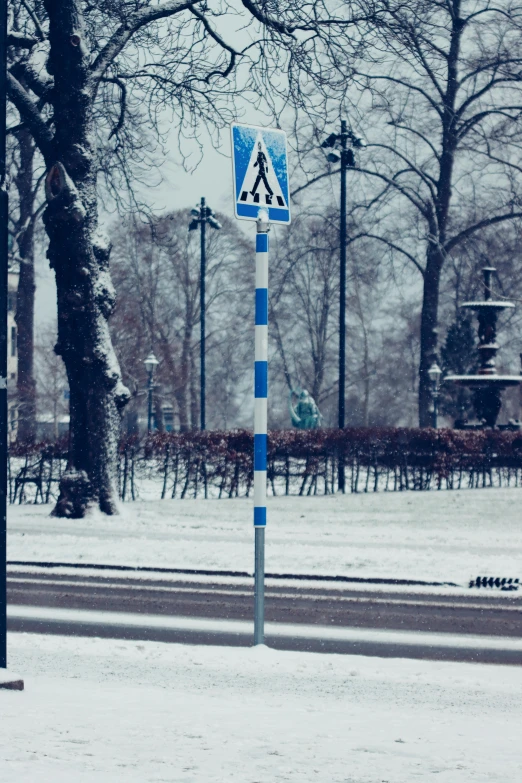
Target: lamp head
<point>151,363</point>
<point>434,373</point>
<point>214,223</point>
<point>334,156</point>
<point>330,141</point>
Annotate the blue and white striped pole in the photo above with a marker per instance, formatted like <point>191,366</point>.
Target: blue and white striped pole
<point>260,421</point>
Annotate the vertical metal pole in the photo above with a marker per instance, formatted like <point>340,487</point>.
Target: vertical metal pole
<point>260,421</point>
<point>203,271</point>
<point>3,339</point>
<point>342,300</point>
<point>435,408</point>
<point>149,411</point>
<point>259,586</point>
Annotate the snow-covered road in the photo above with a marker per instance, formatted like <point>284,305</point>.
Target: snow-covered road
<point>102,710</point>
<point>430,536</point>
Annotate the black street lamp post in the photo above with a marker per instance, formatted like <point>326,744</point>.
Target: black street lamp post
<point>150,365</point>
<point>202,215</point>
<point>341,151</point>
<point>434,374</point>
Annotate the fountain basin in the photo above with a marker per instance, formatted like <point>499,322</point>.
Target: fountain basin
<point>477,381</point>
<point>488,305</point>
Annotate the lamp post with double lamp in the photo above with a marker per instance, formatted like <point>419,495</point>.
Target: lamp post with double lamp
<point>341,150</point>
<point>434,374</point>
<point>150,365</point>
<point>202,215</point>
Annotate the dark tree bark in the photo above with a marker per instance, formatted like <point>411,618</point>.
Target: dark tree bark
<point>80,259</point>
<point>438,225</point>
<point>182,392</point>
<point>429,331</point>
<point>26,385</point>
<point>194,394</point>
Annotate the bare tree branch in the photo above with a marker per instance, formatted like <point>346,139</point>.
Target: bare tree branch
<point>123,103</point>
<point>392,245</point>
<point>401,82</point>
<point>219,40</point>
<point>469,230</point>
<point>131,26</point>
<point>20,40</point>
<point>30,115</point>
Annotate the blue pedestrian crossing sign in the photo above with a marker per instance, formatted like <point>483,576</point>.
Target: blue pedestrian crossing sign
<point>260,164</point>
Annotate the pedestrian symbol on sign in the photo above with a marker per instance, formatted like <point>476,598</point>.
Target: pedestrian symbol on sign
<point>260,173</point>
<point>263,169</point>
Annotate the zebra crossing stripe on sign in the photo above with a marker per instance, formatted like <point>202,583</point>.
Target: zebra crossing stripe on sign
<point>260,173</point>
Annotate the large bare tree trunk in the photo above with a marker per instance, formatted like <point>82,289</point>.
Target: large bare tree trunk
<point>437,224</point>
<point>80,259</point>
<point>429,331</point>
<point>194,394</point>
<point>182,390</point>
<point>26,386</point>
<point>366,380</point>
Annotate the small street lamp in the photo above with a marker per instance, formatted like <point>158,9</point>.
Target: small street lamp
<point>434,375</point>
<point>150,365</point>
<point>341,146</point>
<point>202,215</point>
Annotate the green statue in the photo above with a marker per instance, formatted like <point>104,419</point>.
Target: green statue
<point>305,415</point>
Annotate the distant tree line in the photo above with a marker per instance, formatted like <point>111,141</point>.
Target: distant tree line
<point>156,271</point>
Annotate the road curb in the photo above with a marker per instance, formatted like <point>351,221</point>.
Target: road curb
<point>237,574</point>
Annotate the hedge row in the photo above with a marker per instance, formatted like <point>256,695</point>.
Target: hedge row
<point>220,464</point>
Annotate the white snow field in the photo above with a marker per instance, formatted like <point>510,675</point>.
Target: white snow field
<point>125,712</point>
<point>431,536</point>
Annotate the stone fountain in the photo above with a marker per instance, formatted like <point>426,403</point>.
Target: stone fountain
<point>487,384</point>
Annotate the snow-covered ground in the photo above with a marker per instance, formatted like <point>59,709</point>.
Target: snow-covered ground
<point>103,710</point>
<point>431,536</point>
